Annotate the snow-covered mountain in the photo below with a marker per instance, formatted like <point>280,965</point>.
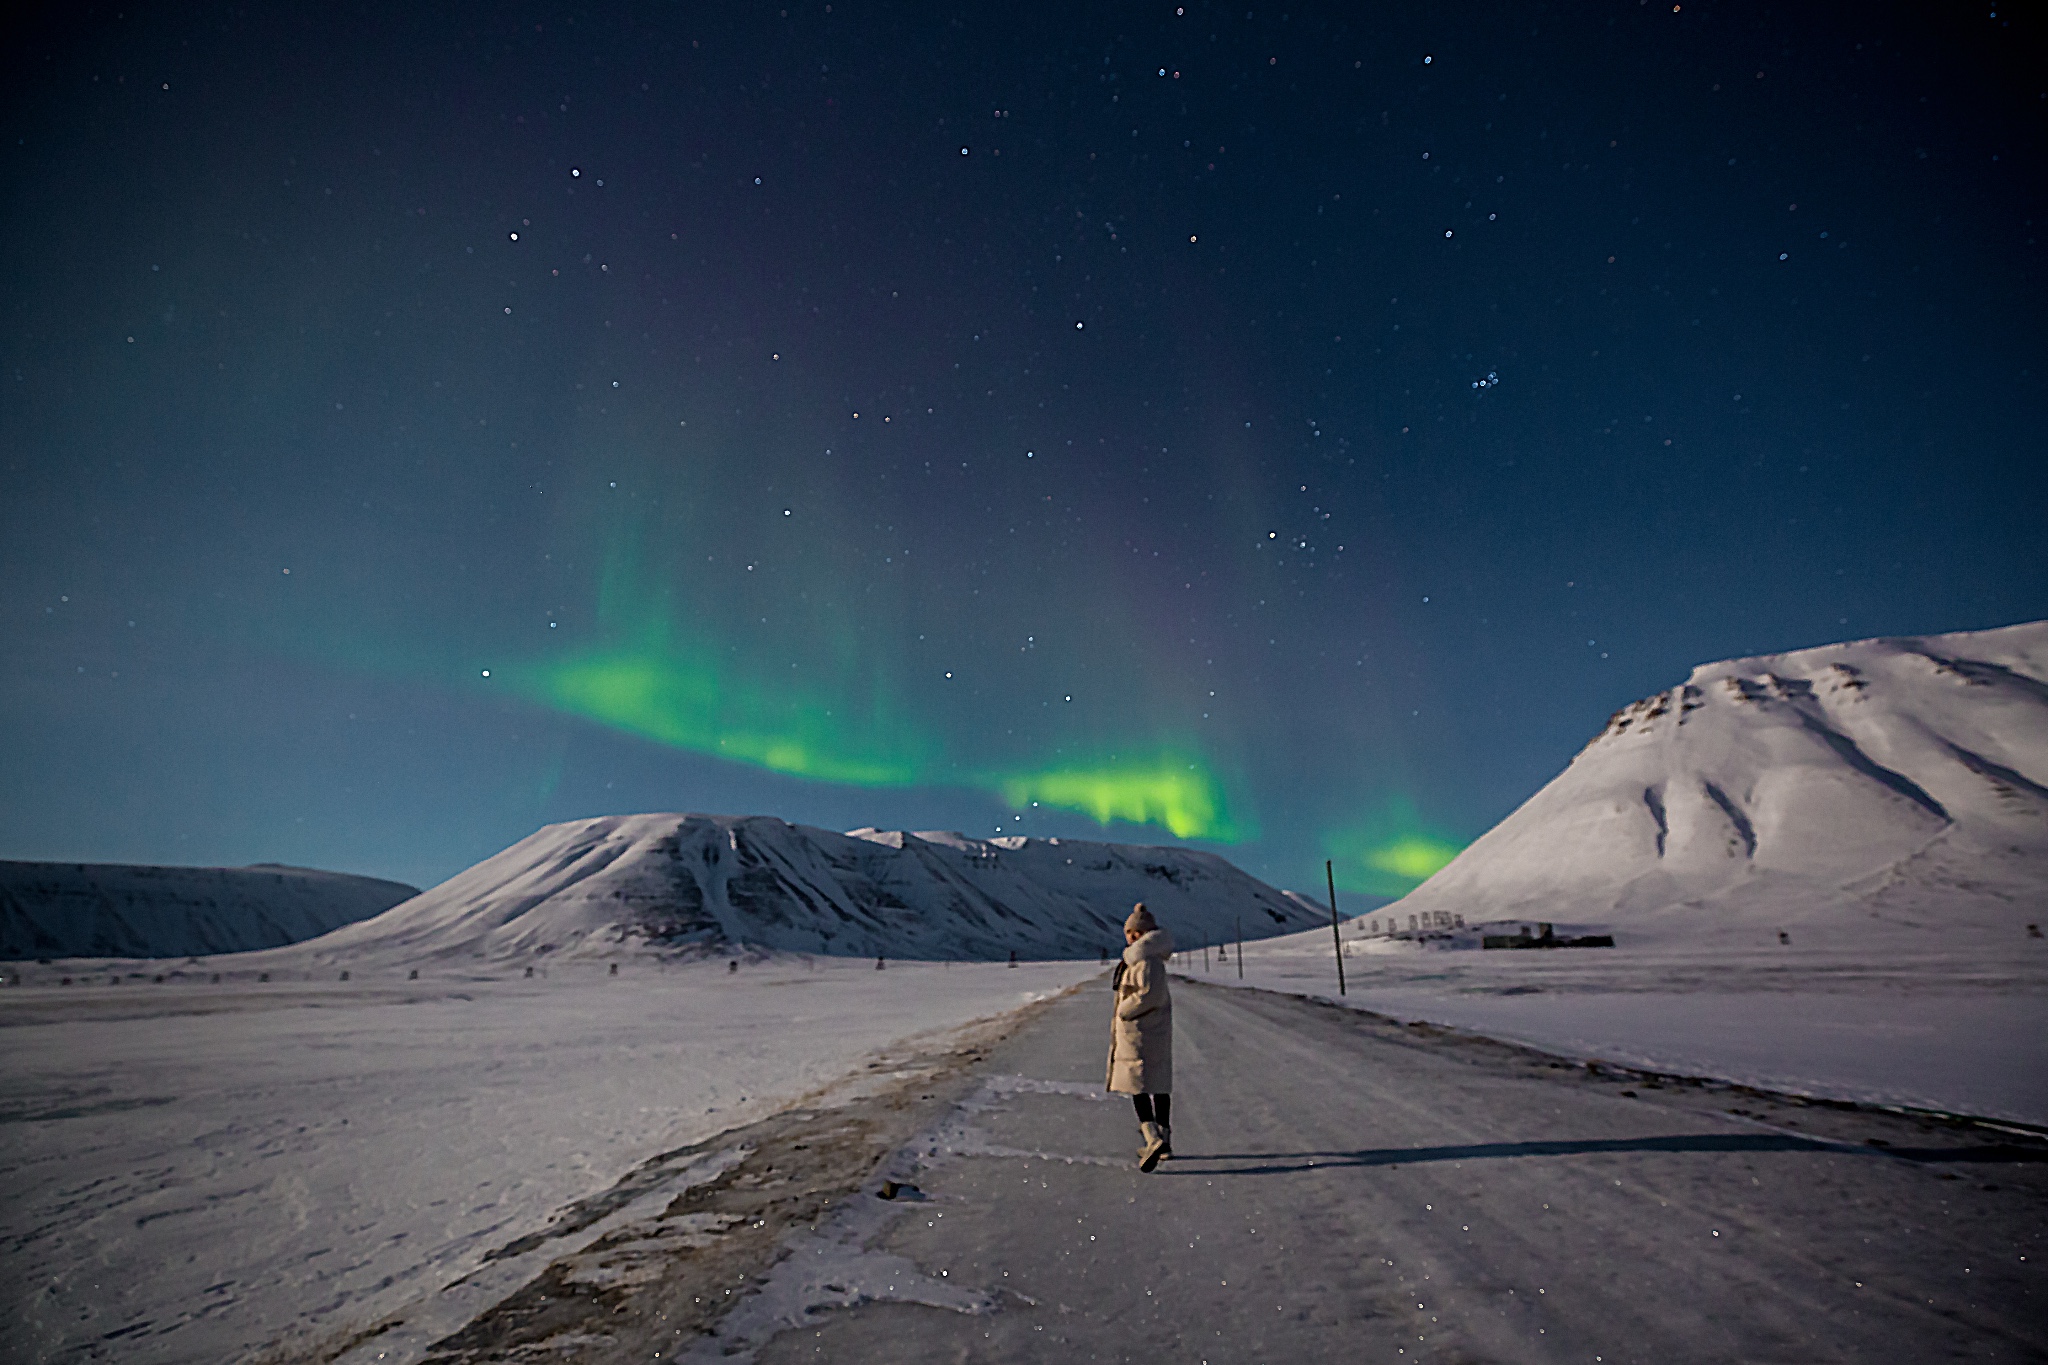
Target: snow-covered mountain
<point>118,910</point>
<point>670,881</point>
<point>1872,788</point>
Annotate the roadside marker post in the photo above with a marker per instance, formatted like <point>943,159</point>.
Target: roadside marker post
<point>1336,942</point>
<point>1240,947</point>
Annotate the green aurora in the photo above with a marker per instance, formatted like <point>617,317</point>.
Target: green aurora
<point>681,652</point>
<point>685,700</point>
<point>727,624</point>
<point>1389,852</point>
<point>1182,795</point>
<point>667,656</point>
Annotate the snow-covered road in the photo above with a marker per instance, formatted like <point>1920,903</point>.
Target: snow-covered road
<point>1351,1189</point>
<point>461,1173</point>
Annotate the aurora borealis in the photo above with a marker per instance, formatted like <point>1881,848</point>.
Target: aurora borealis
<point>1289,431</point>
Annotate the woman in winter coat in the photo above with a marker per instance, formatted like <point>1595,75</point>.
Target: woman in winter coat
<point>1141,1034</point>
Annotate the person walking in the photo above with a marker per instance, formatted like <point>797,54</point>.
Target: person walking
<point>1141,1034</point>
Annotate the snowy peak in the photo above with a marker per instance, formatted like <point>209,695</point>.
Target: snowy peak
<point>1899,769</point>
<point>678,881</point>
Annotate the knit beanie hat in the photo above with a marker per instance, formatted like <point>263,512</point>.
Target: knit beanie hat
<point>1141,921</point>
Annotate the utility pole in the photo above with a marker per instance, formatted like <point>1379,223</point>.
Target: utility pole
<point>1240,947</point>
<point>1336,942</point>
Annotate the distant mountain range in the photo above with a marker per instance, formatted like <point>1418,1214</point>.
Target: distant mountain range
<point>116,910</point>
<point>1876,788</point>
<point>666,882</point>
<point>1879,787</point>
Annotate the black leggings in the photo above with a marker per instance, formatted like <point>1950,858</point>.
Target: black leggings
<point>1154,1108</point>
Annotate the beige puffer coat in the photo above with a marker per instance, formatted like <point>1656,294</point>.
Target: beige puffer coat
<point>1141,1035</point>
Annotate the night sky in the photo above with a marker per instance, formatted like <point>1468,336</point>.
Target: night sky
<point>1292,431</point>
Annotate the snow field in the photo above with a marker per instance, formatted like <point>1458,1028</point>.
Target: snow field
<point>1962,1032</point>
<point>197,1171</point>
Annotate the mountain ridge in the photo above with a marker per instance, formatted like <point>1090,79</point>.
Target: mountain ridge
<point>692,882</point>
<point>53,909</point>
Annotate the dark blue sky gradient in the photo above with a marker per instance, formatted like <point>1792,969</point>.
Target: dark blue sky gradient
<point>1441,383</point>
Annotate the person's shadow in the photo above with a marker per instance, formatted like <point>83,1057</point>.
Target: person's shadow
<point>1282,1163</point>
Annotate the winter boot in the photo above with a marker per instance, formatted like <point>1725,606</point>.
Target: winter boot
<point>1166,1142</point>
<point>1154,1148</point>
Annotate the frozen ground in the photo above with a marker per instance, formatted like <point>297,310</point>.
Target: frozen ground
<point>1965,1032</point>
<point>1345,1189</point>
<point>196,1171</point>
<point>209,1173</point>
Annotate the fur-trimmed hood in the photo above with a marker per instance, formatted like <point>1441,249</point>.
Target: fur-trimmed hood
<point>1157,945</point>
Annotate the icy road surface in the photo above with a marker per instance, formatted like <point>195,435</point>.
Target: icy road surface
<point>1352,1189</point>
